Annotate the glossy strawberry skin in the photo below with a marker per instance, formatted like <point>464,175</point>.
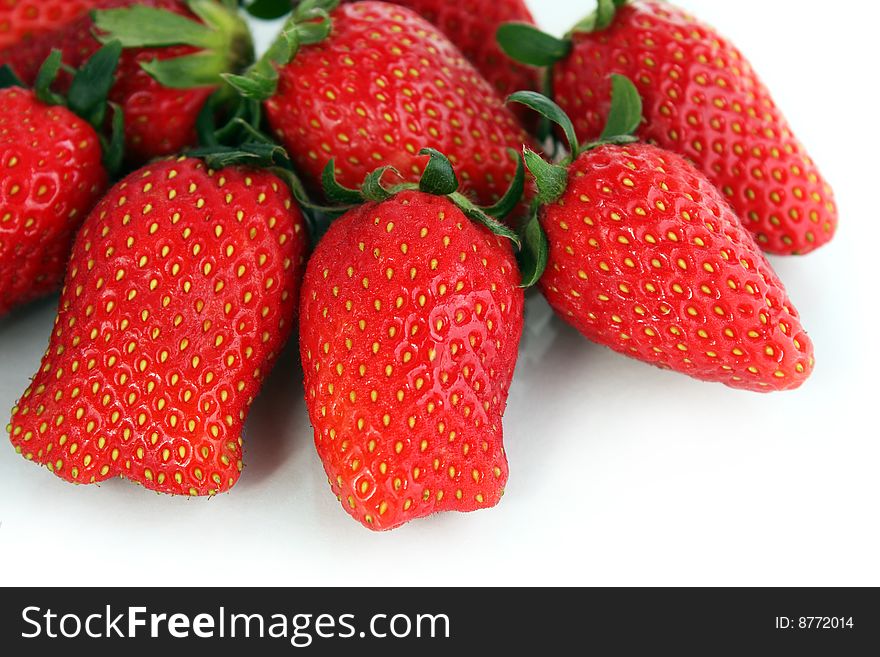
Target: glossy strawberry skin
<point>648,259</point>
<point>159,120</point>
<point>383,86</point>
<point>24,19</point>
<point>703,100</point>
<point>51,175</point>
<point>409,325</point>
<point>181,292</point>
<point>471,27</point>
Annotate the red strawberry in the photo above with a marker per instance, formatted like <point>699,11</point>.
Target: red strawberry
<point>52,173</point>
<point>181,291</point>
<point>472,26</point>
<point>24,19</point>
<point>647,258</point>
<point>160,120</point>
<point>703,100</point>
<point>410,319</point>
<point>383,85</point>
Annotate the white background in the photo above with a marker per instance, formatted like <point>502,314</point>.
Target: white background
<point>620,474</point>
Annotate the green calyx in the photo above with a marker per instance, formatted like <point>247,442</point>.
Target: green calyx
<point>438,179</point>
<point>551,179</point>
<point>624,118</point>
<point>600,19</point>
<point>221,36</point>
<point>261,153</point>
<point>86,97</point>
<point>309,23</point>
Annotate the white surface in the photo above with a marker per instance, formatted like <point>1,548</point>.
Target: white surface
<point>620,474</point>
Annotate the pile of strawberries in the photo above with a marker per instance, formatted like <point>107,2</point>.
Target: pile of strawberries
<point>369,178</point>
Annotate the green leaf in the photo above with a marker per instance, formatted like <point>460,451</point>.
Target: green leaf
<point>139,26</point>
<point>335,191</point>
<point>527,44</point>
<point>114,149</point>
<point>269,9</point>
<point>261,80</point>
<point>549,110</point>
<point>438,177</point>
<point>201,69</point>
<point>307,8</point>
<point>315,30</point>
<point>514,193</point>
<point>535,252</point>
<point>602,18</point>
<point>8,78</point>
<point>309,23</point>
<point>373,190</point>
<point>475,213</point>
<point>605,12</point>
<point>551,179</point>
<point>625,114</point>
<point>282,50</point>
<point>251,154</point>
<point>87,96</point>
<point>46,77</point>
<point>222,36</point>
<point>252,86</point>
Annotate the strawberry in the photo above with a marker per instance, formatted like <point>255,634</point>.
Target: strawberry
<point>54,167</point>
<point>472,28</point>
<point>181,291</point>
<point>409,324</point>
<point>646,257</point>
<point>24,19</point>
<point>374,83</point>
<point>161,115</point>
<point>703,100</point>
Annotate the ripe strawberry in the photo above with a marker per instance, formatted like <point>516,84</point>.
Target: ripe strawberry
<point>377,85</point>
<point>704,101</point>
<point>160,118</point>
<point>24,19</point>
<point>472,28</point>
<point>53,170</point>
<point>181,291</point>
<point>647,258</point>
<point>410,319</point>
